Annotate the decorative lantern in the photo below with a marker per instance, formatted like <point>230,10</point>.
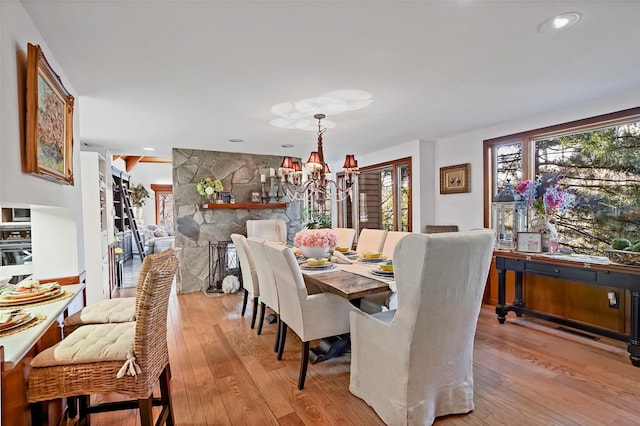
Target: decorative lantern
<point>509,216</point>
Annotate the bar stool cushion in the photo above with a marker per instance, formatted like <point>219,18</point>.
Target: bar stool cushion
<point>90,343</point>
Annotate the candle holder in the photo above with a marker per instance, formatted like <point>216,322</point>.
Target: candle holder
<point>273,191</point>
<point>264,192</point>
<point>281,192</point>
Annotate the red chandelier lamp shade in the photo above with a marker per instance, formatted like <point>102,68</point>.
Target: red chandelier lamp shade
<point>314,161</point>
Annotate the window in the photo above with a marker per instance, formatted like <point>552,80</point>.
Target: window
<point>381,198</point>
<point>599,162</point>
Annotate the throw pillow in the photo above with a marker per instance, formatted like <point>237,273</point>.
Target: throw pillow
<point>159,232</point>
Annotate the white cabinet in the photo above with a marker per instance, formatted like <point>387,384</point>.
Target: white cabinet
<point>96,202</point>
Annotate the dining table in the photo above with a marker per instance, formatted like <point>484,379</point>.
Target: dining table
<point>353,281</point>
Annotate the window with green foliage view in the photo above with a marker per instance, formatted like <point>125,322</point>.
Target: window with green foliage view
<point>600,165</point>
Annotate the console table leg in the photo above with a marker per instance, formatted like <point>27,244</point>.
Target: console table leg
<point>634,333</point>
<point>519,302</point>
<point>501,309</point>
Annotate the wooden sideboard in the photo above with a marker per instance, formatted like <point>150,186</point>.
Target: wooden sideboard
<point>582,270</point>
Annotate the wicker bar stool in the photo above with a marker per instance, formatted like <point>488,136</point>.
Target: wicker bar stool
<point>122,309</point>
<point>126,358</point>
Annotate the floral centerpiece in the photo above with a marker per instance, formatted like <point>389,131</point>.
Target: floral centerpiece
<point>209,187</point>
<point>315,242</point>
<point>547,198</point>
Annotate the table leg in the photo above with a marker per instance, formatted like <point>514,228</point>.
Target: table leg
<point>501,308</point>
<point>519,301</point>
<point>634,334</point>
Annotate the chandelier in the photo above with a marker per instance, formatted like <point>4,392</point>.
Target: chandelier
<point>318,183</point>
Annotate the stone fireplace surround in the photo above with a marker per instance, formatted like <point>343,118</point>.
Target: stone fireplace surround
<point>196,227</point>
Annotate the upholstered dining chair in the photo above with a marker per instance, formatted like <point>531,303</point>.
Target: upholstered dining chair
<point>387,300</point>
<point>269,229</point>
<point>345,237</point>
<point>125,358</point>
<point>249,275</point>
<point>371,240</point>
<point>390,242</point>
<point>267,284</point>
<point>116,310</point>
<point>423,363</point>
<point>311,317</point>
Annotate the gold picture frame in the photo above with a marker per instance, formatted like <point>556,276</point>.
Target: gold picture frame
<point>48,149</point>
<point>455,179</point>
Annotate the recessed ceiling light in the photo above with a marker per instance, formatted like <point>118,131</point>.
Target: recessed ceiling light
<point>287,145</point>
<point>236,140</point>
<point>149,149</point>
<point>559,22</point>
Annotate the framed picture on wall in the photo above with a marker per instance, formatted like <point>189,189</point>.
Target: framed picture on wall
<point>455,179</point>
<point>48,146</point>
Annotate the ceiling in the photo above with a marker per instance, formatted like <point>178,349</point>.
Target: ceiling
<point>194,74</point>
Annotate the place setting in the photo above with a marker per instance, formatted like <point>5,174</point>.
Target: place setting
<point>29,291</point>
<point>317,264</point>
<point>372,257</point>
<point>346,252</point>
<point>384,270</point>
<point>10,320</point>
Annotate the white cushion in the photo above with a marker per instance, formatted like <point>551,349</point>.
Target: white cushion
<point>105,311</point>
<point>90,343</point>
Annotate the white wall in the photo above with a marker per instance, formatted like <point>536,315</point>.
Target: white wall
<point>17,188</point>
<point>466,210</point>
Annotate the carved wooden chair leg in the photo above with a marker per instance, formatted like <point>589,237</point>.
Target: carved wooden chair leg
<point>283,338</point>
<point>304,363</point>
<point>261,321</point>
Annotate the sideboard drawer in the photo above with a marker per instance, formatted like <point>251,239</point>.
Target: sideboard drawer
<point>555,271</point>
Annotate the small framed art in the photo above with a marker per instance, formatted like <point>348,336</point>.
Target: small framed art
<point>454,179</point>
<point>530,242</point>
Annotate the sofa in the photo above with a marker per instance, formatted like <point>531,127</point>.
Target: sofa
<point>157,238</point>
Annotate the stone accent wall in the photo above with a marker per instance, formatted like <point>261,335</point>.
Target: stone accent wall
<point>195,228</point>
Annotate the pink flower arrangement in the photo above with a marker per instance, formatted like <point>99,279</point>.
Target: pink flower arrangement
<point>546,196</point>
<point>316,238</point>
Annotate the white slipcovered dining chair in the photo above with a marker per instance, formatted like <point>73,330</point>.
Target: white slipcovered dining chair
<point>390,241</point>
<point>310,316</point>
<point>249,275</point>
<point>266,283</point>
<point>423,362</point>
<point>371,240</point>
<point>345,237</point>
<point>387,300</point>
<point>269,229</point>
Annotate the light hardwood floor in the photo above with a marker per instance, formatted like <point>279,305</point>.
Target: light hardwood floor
<point>526,373</point>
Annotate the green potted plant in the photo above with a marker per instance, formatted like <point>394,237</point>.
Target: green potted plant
<point>138,195</point>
